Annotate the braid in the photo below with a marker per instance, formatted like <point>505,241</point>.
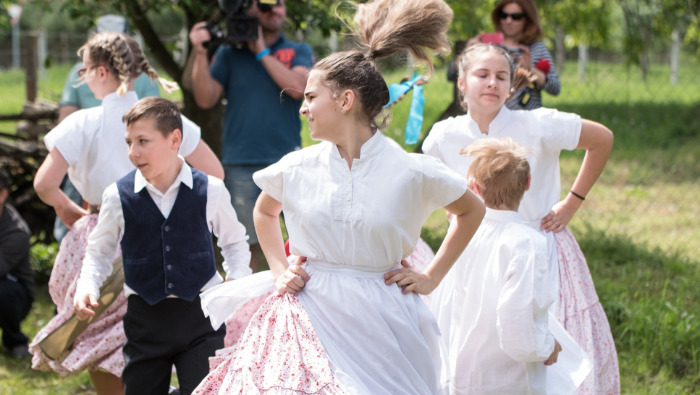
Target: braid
<point>141,65</point>
<point>121,59</point>
<point>167,86</point>
<point>124,57</point>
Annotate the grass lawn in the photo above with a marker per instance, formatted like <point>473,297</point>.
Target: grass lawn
<point>636,228</point>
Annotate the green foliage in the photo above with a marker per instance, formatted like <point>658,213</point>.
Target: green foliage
<point>42,257</point>
<point>585,21</point>
<point>651,300</point>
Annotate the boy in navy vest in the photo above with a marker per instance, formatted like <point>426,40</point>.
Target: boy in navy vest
<point>165,213</point>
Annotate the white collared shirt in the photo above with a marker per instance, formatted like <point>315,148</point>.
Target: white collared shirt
<point>367,217</point>
<point>545,131</point>
<point>491,308</point>
<point>104,240</point>
<point>92,142</point>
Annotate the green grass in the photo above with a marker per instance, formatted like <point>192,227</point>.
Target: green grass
<point>637,228</point>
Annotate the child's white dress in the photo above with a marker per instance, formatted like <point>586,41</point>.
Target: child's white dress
<point>92,142</point>
<point>347,331</point>
<point>547,132</point>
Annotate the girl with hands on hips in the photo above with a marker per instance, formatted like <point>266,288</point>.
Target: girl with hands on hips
<point>354,205</point>
<point>486,84</point>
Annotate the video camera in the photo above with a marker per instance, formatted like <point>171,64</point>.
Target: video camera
<point>240,26</point>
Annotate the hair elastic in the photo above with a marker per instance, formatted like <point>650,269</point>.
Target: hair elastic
<point>577,195</point>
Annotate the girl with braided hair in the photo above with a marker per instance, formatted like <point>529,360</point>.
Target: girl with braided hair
<point>89,145</point>
<point>349,319</point>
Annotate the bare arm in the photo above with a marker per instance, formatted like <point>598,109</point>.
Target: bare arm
<point>266,217</point>
<point>468,211</point>
<point>205,160</point>
<point>597,140</point>
<point>290,81</point>
<point>66,110</point>
<point>47,184</point>
<point>207,91</point>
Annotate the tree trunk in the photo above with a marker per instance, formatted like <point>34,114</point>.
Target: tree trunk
<point>644,55</point>
<point>559,49</point>
<point>582,60</point>
<point>211,121</point>
<point>675,55</point>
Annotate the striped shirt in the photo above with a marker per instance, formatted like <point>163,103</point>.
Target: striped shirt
<point>530,97</point>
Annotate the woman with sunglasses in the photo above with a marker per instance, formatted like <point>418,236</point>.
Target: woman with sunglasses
<point>519,22</point>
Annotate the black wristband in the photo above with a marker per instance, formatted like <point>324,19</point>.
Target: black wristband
<point>577,195</point>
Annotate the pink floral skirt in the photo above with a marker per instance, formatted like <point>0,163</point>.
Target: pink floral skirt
<point>279,353</point>
<point>99,347</point>
<point>274,344</point>
<point>580,312</point>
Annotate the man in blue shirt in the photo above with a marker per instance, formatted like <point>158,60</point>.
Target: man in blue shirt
<point>264,83</point>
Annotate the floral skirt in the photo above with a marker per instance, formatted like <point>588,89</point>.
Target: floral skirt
<point>346,332</point>
<point>99,347</point>
<point>580,312</point>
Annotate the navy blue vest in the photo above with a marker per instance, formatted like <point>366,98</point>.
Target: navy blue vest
<point>172,256</point>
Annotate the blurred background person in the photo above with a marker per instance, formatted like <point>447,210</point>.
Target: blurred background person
<point>16,279</point>
<point>519,23</point>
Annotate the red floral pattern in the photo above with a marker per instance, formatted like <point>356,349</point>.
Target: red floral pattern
<point>279,352</point>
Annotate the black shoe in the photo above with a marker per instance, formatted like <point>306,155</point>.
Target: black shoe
<point>20,352</point>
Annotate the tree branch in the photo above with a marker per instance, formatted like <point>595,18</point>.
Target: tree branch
<point>150,37</point>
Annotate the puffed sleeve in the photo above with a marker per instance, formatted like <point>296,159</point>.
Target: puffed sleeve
<point>70,137</point>
<point>441,185</point>
<point>561,130</point>
<point>271,178</point>
<point>431,144</point>
<point>191,134</point>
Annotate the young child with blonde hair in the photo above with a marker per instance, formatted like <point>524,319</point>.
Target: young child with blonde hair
<point>492,306</point>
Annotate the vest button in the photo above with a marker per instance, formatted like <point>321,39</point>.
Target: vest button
<point>167,248</point>
<point>170,285</point>
<point>170,267</point>
<point>166,228</point>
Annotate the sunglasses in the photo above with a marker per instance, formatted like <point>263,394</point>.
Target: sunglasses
<point>81,71</point>
<point>516,16</point>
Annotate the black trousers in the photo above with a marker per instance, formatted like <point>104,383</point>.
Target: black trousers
<point>15,302</point>
<point>171,332</point>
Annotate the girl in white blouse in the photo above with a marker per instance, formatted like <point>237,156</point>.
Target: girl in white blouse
<point>89,145</point>
<point>349,320</point>
<point>485,81</point>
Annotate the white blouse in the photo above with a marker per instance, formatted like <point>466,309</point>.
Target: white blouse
<point>92,142</point>
<point>546,131</point>
<point>492,306</point>
<point>369,216</point>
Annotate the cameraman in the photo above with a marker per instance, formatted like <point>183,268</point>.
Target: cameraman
<point>264,81</point>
